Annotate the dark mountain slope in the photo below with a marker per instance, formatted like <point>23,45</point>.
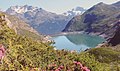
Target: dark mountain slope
<point>97,19</point>
<point>117,4</point>
<point>115,38</point>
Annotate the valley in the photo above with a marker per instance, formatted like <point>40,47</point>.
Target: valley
<point>33,38</point>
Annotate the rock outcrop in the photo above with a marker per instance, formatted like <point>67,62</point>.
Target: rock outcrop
<point>115,39</point>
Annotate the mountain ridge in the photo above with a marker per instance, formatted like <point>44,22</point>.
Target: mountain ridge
<point>40,19</point>
<point>97,19</point>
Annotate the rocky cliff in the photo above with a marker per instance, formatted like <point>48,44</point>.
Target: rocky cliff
<point>115,39</point>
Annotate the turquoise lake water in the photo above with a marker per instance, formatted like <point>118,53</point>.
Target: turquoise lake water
<point>78,42</point>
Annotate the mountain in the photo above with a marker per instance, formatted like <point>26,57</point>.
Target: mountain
<point>74,12</point>
<point>20,9</point>
<point>115,39</point>
<point>117,4</point>
<point>1,10</point>
<point>98,19</point>
<point>41,20</point>
<point>19,26</point>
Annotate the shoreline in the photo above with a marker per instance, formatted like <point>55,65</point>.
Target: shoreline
<point>66,33</point>
<point>80,32</point>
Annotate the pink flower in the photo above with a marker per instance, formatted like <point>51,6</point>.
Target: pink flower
<point>85,69</point>
<point>54,65</point>
<point>57,70</point>
<point>75,62</point>
<point>78,63</point>
<point>61,66</point>
<point>1,54</point>
<point>81,66</point>
<point>49,65</point>
<point>2,51</point>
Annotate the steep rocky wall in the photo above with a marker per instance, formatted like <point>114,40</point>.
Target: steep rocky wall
<point>115,39</point>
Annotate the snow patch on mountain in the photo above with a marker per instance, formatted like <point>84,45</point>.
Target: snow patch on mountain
<point>21,9</point>
<point>75,11</point>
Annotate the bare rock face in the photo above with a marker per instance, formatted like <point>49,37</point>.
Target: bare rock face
<point>115,39</point>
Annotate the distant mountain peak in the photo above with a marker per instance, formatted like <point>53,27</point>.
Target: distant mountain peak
<point>1,10</point>
<point>78,9</point>
<point>101,7</point>
<point>75,11</point>
<point>101,3</point>
<point>117,2</point>
<point>21,9</point>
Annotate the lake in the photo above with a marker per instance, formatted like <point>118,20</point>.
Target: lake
<point>78,42</point>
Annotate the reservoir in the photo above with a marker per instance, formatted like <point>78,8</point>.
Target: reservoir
<point>77,42</point>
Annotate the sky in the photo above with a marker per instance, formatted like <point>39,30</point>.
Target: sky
<point>56,6</point>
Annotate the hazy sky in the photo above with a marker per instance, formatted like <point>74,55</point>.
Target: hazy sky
<point>57,6</point>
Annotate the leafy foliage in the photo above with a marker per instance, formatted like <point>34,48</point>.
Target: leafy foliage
<point>107,55</point>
